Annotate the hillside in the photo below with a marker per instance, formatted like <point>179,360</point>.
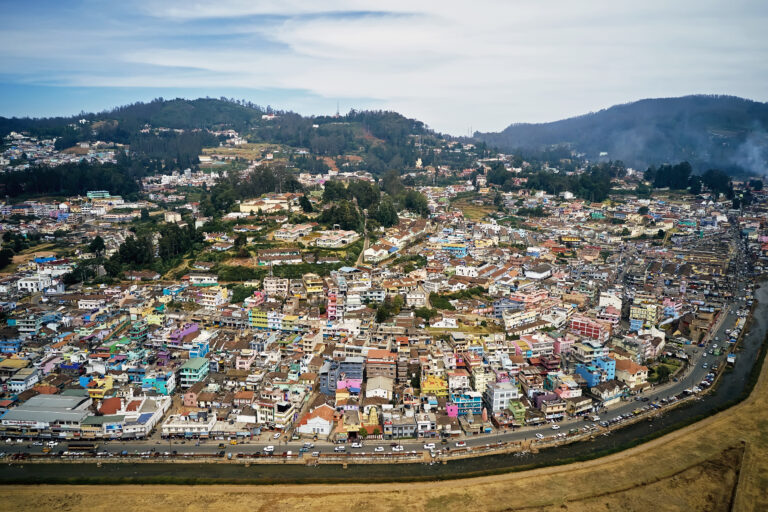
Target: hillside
<point>708,131</point>
<point>181,128</point>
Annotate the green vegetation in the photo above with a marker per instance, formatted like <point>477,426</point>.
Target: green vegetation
<point>440,302</point>
<point>240,293</point>
<point>74,179</point>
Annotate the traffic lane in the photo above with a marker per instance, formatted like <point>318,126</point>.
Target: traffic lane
<point>693,377</point>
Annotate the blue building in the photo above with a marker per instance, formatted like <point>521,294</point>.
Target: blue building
<point>591,374</point>
<point>469,402</point>
<point>350,368</point>
<point>607,365</point>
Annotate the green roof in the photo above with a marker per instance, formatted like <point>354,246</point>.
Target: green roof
<point>195,363</point>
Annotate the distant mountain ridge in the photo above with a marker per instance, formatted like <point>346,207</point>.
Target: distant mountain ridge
<point>726,132</point>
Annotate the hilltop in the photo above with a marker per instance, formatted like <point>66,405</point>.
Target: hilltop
<point>708,131</point>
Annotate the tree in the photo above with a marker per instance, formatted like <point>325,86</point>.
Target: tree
<point>240,293</point>
<point>717,181</point>
<point>426,313</point>
<point>240,240</point>
<point>97,245</point>
<point>385,213</point>
<point>367,194</point>
<point>662,373</point>
<point>416,202</point>
<point>6,257</point>
<point>363,433</point>
<point>144,214</point>
<point>306,205</point>
<point>643,210</point>
<point>392,183</point>
<point>335,190</point>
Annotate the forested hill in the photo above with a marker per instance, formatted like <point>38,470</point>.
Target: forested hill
<point>177,113</point>
<point>383,138</point>
<point>209,113</point>
<point>709,131</point>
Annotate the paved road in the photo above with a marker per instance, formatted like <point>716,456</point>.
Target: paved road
<point>693,374</point>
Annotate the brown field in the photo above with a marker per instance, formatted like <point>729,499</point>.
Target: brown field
<point>472,211</point>
<point>720,463</point>
<point>249,151</point>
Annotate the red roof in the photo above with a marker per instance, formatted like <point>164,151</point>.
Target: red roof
<point>110,405</point>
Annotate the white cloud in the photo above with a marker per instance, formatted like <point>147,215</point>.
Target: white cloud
<point>452,64</point>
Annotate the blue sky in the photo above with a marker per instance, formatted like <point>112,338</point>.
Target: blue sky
<point>455,65</point>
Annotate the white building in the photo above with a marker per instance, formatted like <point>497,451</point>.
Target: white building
<point>33,284</point>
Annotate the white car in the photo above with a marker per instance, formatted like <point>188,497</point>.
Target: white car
<point>539,436</point>
<point>429,446</point>
<point>555,426</point>
<point>269,449</point>
<point>379,449</point>
<point>397,448</point>
<point>357,445</point>
<point>276,436</point>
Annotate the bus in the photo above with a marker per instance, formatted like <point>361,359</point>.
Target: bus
<point>82,447</point>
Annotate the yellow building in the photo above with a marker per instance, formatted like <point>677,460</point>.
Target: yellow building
<point>433,385</point>
<point>98,387</point>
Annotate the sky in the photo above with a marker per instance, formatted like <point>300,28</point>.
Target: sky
<point>459,66</point>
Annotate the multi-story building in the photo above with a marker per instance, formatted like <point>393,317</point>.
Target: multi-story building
<point>498,395</point>
<point>192,371</point>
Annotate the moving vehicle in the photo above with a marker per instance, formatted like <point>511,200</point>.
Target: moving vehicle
<point>269,449</point>
<point>429,446</point>
<point>397,448</point>
<point>82,447</point>
<point>340,449</point>
<point>379,449</point>
<point>460,444</point>
<point>555,426</point>
<point>357,445</point>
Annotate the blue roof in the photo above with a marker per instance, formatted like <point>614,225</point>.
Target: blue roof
<point>143,418</point>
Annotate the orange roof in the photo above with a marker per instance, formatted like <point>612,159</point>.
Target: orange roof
<point>324,411</point>
<point>133,405</point>
<point>629,366</point>
<point>110,405</point>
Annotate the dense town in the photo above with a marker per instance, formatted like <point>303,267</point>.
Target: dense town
<point>475,305</point>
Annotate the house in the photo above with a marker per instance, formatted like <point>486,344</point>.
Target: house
<point>318,422</point>
<point>379,386</point>
<point>607,393</point>
<point>631,373</point>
